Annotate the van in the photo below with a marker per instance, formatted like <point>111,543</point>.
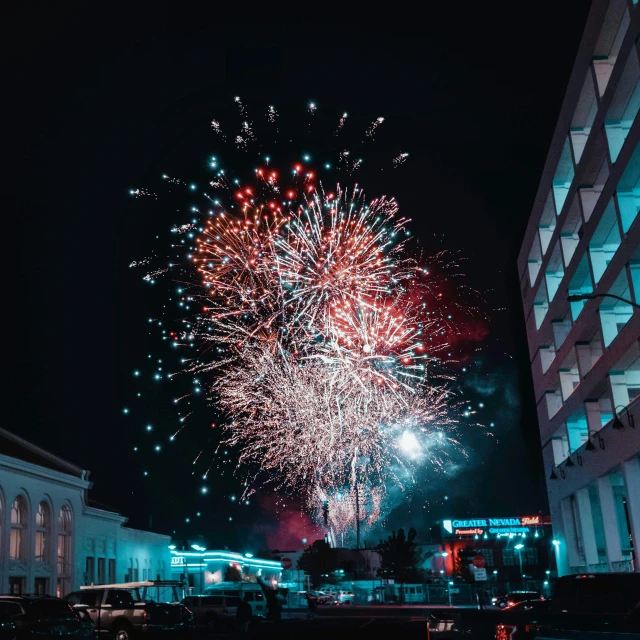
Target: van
<point>247,590</point>
<point>212,609</point>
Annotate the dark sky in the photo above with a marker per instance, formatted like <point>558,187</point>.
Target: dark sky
<point>100,104</point>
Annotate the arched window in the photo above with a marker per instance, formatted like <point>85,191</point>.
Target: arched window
<point>43,528</point>
<point>18,535</point>
<point>64,552</point>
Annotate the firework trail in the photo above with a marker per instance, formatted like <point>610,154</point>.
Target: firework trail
<point>374,125</point>
<point>400,159</point>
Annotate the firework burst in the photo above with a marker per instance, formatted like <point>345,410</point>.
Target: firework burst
<point>328,334</point>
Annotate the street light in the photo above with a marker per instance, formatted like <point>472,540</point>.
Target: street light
<point>592,296</point>
<point>519,548</point>
<point>444,555</point>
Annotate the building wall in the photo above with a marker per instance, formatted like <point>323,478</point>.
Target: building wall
<point>89,533</point>
<point>583,237</point>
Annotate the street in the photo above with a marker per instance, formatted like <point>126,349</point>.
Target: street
<point>408,621</point>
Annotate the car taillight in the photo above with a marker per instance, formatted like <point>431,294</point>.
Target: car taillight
<point>505,631</point>
<point>510,603</point>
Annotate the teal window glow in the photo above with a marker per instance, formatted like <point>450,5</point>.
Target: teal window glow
<point>583,117</point>
<point>624,107</point>
<point>577,429</point>
<point>580,284</point>
<point>563,177</point>
<point>547,224</point>
<point>540,305</point>
<point>625,377</point>
<point>554,272</point>
<point>604,242</point>
<point>614,314</point>
<point>628,191</point>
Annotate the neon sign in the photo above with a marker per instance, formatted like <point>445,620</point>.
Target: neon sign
<point>480,526</point>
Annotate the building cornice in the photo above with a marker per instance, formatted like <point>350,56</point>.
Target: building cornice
<point>36,471</point>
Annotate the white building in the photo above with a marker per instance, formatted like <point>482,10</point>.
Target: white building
<point>52,540</point>
<point>583,241</point>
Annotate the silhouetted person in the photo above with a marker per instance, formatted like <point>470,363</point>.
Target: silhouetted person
<point>312,603</point>
<point>244,615</point>
<point>273,605</point>
<point>481,599</point>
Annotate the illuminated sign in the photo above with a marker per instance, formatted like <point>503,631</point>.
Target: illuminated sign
<point>496,526</point>
<point>177,561</point>
<point>468,532</point>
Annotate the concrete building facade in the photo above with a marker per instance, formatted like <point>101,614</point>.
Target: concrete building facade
<point>583,239</point>
<point>52,539</point>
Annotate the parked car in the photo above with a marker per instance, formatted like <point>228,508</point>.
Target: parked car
<point>121,612</point>
<point>344,597</point>
<point>7,628</point>
<point>42,616</point>
<point>581,604</point>
<point>530,605</point>
<point>514,597</point>
<point>247,590</point>
<point>212,609</point>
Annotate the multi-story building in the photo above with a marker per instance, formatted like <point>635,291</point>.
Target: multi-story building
<point>579,270</point>
<point>54,539</point>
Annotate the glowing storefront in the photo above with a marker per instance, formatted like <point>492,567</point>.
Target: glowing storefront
<point>200,568</point>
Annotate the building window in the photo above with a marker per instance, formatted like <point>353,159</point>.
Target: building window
<point>624,106</point>
<point>40,586</point>
<point>628,191</point>
<point>625,378</point>
<point>18,529</point>
<point>90,568</point>
<point>16,585</point>
<point>64,555</point>
<point>112,570</point>
<point>43,523</point>
<point>563,177</point>
<point>614,314</point>
<point>604,242</point>
<point>101,566</point>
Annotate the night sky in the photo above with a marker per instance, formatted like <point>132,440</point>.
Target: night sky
<point>102,104</point>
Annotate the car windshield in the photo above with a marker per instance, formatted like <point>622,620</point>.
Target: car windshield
<point>50,608</point>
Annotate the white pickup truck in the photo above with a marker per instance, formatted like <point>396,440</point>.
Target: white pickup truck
<point>129,609</point>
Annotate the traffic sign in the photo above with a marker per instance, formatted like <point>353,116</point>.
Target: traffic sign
<point>480,574</point>
<point>478,562</point>
<point>286,563</point>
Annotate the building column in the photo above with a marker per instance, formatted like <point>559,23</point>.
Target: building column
<point>610,520</point>
<point>631,471</point>
<point>573,555</point>
<point>586,524</point>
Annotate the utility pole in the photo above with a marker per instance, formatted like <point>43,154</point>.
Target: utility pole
<point>357,517</point>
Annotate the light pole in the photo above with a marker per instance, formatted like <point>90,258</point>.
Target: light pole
<point>519,548</point>
<point>444,555</point>
<point>592,296</point>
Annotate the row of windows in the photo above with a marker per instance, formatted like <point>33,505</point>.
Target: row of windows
<point>619,391</point>
<point>42,551</point>
<point>574,210</point>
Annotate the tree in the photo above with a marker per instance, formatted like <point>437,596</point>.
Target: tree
<point>401,558</point>
<point>319,561</point>
<point>232,574</point>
